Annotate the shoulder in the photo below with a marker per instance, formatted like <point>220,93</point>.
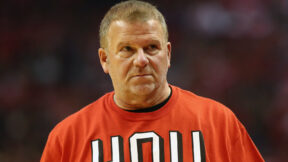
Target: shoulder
<point>204,105</point>
<point>81,118</point>
<point>210,112</point>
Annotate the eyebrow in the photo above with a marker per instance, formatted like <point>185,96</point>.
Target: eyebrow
<point>150,41</point>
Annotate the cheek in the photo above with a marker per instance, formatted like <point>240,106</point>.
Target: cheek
<point>160,64</point>
<point>120,68</point>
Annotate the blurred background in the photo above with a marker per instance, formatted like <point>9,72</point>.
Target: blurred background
<point>234,51</point>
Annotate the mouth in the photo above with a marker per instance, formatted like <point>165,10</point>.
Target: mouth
<point>141,76</point>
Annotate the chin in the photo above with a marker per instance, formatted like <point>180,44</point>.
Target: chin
<point>143,89</point>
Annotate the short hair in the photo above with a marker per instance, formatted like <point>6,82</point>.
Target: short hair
<point>131,11</point>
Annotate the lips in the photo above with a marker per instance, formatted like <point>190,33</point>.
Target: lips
<point>141,75</point>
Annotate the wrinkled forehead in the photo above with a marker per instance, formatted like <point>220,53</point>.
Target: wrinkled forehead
<point>130,32</point>
<point>137,26</point>
<point>124,29</point>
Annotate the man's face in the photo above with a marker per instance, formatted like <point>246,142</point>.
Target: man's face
<point>137,57</point>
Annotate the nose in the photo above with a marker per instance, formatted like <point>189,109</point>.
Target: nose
<point>141,59</point>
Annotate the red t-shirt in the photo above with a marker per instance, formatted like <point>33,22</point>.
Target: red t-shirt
<point>187,128</point>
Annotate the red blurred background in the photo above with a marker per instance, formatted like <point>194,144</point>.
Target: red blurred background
<point>234,51</point>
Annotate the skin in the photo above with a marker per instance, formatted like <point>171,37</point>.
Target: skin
<point>137,59</point>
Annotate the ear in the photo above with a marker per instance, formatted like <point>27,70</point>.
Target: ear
<point>103,57</point>
<point>169,53</point>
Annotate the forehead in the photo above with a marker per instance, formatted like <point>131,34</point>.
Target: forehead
<point>130,32</point>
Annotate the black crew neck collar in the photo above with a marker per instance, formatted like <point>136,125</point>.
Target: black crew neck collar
<point>153,108</point>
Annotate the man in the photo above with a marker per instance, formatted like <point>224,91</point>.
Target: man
<point>145,118</point>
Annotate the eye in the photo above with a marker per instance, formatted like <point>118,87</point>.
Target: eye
<point>127,49</point>
<point>152,48</point>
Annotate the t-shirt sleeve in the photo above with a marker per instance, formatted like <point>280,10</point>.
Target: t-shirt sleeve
<point>243,148</point>
<point>52,150</point>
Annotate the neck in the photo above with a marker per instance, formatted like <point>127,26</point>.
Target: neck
<point>136,102</point>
